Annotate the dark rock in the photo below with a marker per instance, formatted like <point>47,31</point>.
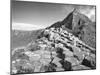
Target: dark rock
<point>51,68</point>
<point>55,25</point>
<point>60,53</point>
<point>89,63</point>
<point>66,65</point>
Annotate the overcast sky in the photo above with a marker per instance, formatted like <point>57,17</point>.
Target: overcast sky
<point>36,15</point>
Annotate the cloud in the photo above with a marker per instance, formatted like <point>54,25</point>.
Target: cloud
<point>24,26</point>
<point>89,11</point>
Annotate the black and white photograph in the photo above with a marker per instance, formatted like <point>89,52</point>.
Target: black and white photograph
<point>52,37</point>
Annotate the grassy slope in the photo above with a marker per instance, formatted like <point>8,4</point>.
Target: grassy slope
<point>22,38</point>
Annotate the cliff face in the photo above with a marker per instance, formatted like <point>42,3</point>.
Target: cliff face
<point>60,47</point>
<point>80,26</point>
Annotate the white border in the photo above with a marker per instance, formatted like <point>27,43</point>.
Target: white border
<point>5,36</point>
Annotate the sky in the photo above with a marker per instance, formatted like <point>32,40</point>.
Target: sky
<point>37,15</point>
